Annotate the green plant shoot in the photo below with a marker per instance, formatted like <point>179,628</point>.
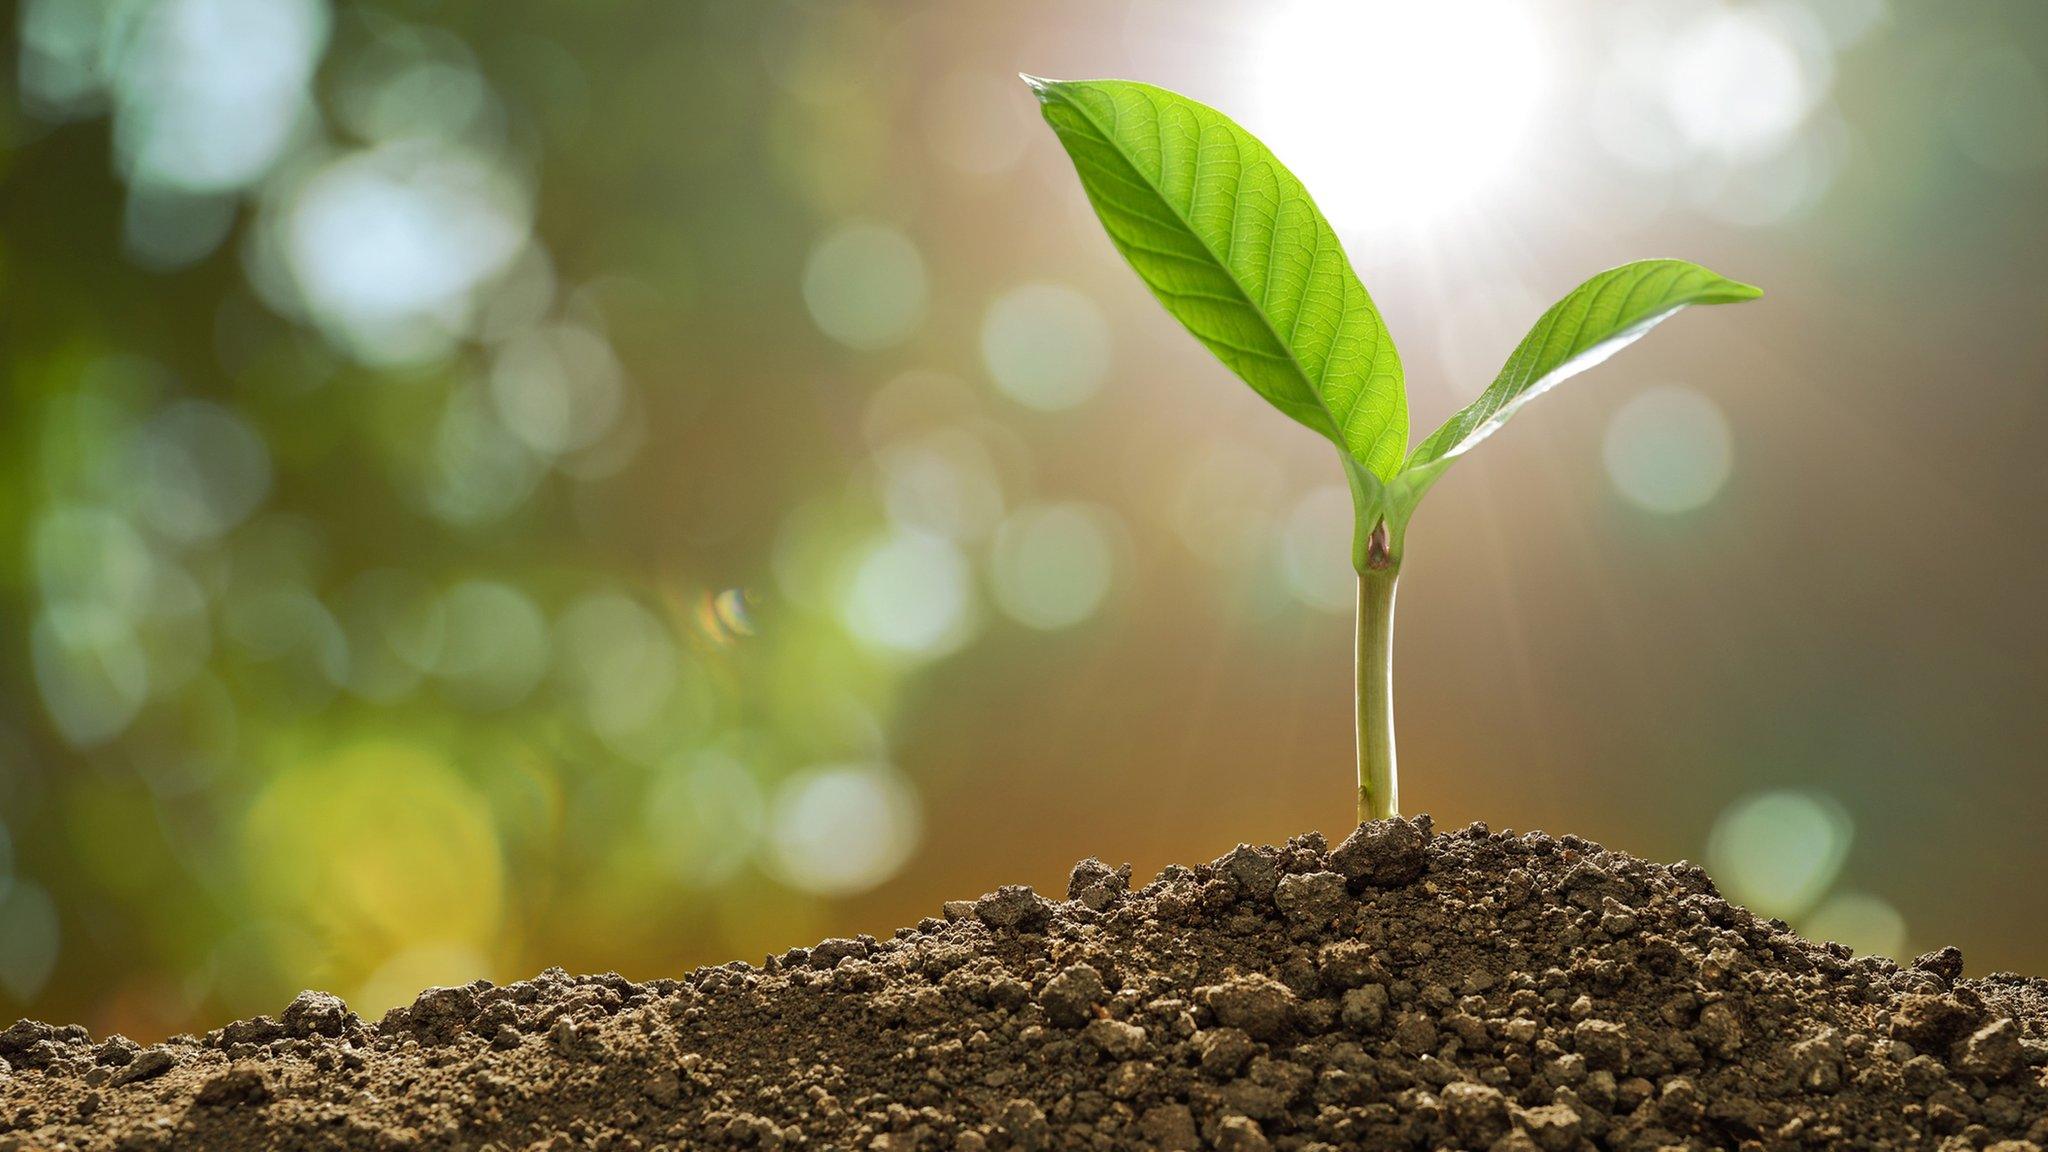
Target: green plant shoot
<point>1232,245</point>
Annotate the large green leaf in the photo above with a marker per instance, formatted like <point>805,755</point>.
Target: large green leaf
<point>1597,319</point>
<point>1232,245</point>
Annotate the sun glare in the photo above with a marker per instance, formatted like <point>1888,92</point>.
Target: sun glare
<point>1398,114</point>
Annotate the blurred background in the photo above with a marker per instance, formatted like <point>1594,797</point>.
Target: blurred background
<point>493,485</point>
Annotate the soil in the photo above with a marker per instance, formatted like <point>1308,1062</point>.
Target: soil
<point>1474,990</point>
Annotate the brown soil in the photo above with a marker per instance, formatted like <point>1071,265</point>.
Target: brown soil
<point>1476,990</point>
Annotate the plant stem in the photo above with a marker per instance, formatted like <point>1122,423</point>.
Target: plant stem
<point>1378,787</point>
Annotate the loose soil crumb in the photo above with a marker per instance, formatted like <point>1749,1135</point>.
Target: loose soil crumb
<point>1477,990</point>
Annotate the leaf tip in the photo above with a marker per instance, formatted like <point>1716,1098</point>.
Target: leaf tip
<point>1039,85</point>
<point>1738,291</point>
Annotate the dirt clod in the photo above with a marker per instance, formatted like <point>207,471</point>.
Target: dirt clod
<point>1024,1123</point>
<point>439,1013</point>
<point>1222,1051</point>
<point>1405,990</point>
<point>1945,963</point>
<point>1116,1039</point>
<point>1932,1022</point>
<point>1069,998</point>
<point>1603,1043</point>
<point>1170,1126</point>
<point>1260,1005</point>
<point>1384,853</point>
<point>1992,1051</point>
<point>1478,1114</point>
<point>1240,1134</point>
<point>147,1064</point>
<point>314,1014</point>
<point>241,1085</point>
<point>827,954</point>
<point>1311,898</point>
<point>1013,906</point>
<point>1552,1127</point>
<point>1096,885</point>
<point>1252,870</point>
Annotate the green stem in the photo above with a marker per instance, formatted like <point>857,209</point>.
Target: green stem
<point>1378,787</point>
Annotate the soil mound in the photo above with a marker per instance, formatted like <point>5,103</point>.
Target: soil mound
<point>1476,990</point>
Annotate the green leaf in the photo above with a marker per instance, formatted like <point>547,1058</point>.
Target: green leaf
<point>1598,319</point>
<point>1232,245</point>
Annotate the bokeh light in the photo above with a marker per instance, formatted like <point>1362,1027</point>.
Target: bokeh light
<point>412,82</point>
<point>1668,449</point>
<point>205,93</point>
<point>1728,106</point>
<point>910,593</point>
<point>1778,851</point>
<point>705,813</point>
<point>865,286</point>
<point>1046,346</point>
<point>496,645</point>
<point>557,388</point>
<point>287,625</point>
<point>398,979</point>
<point>60,54</point>
<point>89,559</point>
<point>98,578</point>
<point>944,482</point>
<point>1315,551</point>
<point>621,661</point>
<point>1738,84</point>
<point>377,849</point>
<point>93,676</point>
<point>478,471</point>
<point>1052,564</point>
<point>839,829</point>
<point>164,229</point>
<point>29,939</point>
<point>387,248</point>
<point>1866,923</point>
<point>202,469</point>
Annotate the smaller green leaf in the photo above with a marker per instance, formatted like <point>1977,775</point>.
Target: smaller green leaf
<point>1597,319</point>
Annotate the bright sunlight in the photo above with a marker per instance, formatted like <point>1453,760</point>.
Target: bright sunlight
<point>1467,79</point>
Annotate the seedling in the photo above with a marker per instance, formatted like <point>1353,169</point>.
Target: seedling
<point>1231,244</point>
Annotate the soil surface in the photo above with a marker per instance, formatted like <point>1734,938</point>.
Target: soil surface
<point>1475,990</point>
